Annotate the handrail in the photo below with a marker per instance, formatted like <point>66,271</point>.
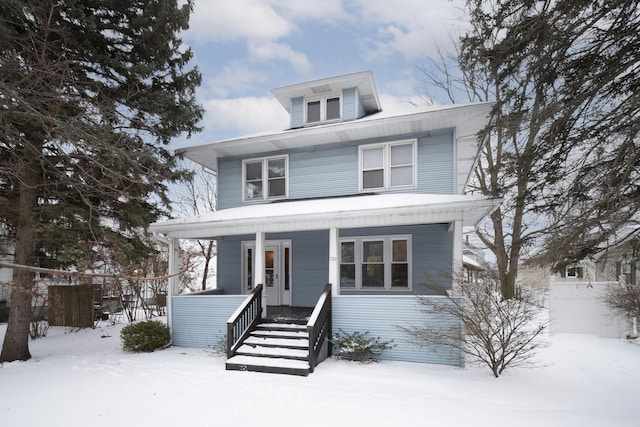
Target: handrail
<point>247,315</point>
<point>319,327</point>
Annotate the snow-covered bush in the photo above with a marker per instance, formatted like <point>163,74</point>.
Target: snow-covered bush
<point>145,336</point>
<point>357,346</point>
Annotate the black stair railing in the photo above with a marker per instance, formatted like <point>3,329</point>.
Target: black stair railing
<point>244,319</point>
<point>319,328</point>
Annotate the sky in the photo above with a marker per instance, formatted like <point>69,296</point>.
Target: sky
<point>245,48</point>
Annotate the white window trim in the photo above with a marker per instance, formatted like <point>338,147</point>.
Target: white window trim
<point>388,261</point>
<point>323,108</point>
<point>386,165</point>
<point>265,178</point>
<point>569,275</point>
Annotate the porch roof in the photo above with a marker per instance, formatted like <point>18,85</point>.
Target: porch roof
<point>379,210</point>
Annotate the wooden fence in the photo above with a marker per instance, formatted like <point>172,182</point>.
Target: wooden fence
<point>72,305</point>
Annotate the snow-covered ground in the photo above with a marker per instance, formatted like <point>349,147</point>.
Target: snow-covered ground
<point>84,379</point>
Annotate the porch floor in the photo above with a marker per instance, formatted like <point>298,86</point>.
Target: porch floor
<point>284,313</point>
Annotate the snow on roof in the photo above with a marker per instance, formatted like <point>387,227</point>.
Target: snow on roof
<point>342,212</point>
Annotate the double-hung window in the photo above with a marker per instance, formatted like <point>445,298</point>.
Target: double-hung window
<point>322,109</point>
<point>265,178</point>
<point>388,166</point>
<point>375,263</point>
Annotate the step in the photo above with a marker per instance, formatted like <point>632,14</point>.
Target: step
<point>265,351</point>
<point>268,333</point>
<point>301,343</point>
<point>282,327</point>
<point>268,365</point>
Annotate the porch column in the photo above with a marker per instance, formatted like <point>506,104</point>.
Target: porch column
<point>334,260</point>
<point>173,283</point>
<point>258,274</point>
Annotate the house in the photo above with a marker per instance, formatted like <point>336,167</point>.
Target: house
<point>349,211</point>
<point>621,258</point>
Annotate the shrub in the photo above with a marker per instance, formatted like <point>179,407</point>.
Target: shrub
<point>145,336</point>
<point>357,346</point>
<point>496,332</point>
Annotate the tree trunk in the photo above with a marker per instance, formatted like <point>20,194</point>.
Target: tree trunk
<point>16,339</point>
<point>207,259</point>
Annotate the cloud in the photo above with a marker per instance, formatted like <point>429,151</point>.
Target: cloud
<point>237,19</point>
<point>268,51</point>
<point>229,118</point>
<point>413,28</point>
<point>234,78</point>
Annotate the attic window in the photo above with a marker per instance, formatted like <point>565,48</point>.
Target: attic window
<point>322,109</point>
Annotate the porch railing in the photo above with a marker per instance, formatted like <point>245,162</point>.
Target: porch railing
<point>243,320</point>
<point>319,328</point>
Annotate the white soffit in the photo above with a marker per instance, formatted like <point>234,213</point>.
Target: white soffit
<point>379,210</point>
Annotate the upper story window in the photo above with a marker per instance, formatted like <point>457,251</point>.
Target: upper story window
<point>265,178</point>
<point>387,166</point>
<point>322,109</point>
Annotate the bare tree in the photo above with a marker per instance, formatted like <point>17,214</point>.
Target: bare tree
<point>196,197</point>
<point>624,299</point>
<point>499,333</point>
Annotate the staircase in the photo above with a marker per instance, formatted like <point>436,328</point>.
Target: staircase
<point>280,347</point>
<point>291,345</point>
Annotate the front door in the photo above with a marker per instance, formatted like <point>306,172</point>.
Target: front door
<point>272,277</point>
<point>277,265</point>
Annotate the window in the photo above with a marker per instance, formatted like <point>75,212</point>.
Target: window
<point>387,166</point>
<point>265,178</point>
<point>375,263</point>
<point>574,272</point>
<point>325,108</point>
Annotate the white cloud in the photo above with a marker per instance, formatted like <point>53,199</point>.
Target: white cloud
<point>234,78</point>
<point>237,19</point>
<point>413,28</point>
<point>228,118</point>
<point>267,51</point>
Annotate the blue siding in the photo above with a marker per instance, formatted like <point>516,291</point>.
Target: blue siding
<point>383,316</point>
<point>435,163</point>
<point>297,112</point>
<point>310,251</point>
<point>349,104</point>
<point>229,267</point>
<point>229,183</point>
<point>332,170</point>
<point>201,321</point>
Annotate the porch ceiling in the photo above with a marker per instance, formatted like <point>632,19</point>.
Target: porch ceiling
<point>380,210</point>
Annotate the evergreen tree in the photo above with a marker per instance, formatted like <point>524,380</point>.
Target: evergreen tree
<point>91,93</point>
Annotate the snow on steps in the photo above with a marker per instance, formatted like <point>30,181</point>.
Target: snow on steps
<point>274,348</point>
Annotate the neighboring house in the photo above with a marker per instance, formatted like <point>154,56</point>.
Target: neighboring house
<point>473,258</point>
<point>372,205</point>
<point>539,276</point>
<point>621,259</point>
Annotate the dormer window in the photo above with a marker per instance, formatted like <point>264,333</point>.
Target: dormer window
<point>322,109</point>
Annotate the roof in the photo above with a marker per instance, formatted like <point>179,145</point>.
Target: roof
<point>467,119</point>
<point>362,80</point>
<point>377,210</point>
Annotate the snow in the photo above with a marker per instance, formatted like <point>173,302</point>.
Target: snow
<point>83,378</point>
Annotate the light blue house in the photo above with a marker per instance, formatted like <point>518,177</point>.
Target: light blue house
<point>348,211</point>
